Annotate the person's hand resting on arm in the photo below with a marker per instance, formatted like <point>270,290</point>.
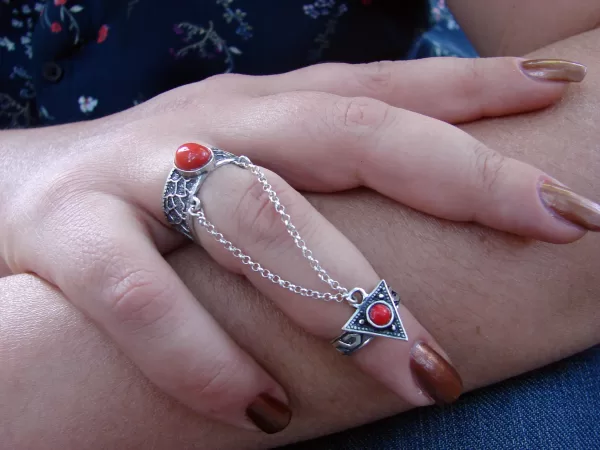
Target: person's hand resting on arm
<point>499,305</point>
<point>91,224</point>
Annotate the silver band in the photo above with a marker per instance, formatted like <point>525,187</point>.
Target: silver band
<point>182,186</point>
<point>347,342</point>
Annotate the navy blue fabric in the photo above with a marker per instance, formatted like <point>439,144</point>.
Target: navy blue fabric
<point>70,60</point>
<point>113,54</point>
<point>554,408</point>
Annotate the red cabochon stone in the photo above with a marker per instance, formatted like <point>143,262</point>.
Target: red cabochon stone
<point>380,314</point>
<point>192,156</point>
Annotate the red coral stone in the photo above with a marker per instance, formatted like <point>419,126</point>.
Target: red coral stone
<point>102,34</point>
<point>380,314</point>
<point>192,156</point>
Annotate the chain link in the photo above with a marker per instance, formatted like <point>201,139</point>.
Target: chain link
<point>341,294</point>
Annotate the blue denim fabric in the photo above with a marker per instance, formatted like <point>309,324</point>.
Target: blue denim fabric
<point>554,408</point>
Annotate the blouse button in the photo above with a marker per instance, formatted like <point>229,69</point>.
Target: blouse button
<point>52,72</point>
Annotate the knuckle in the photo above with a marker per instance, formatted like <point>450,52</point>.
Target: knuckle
<point>360,116</point>
<point>134,297</point>
<point>375,77</point>
<point>62,195</point>
<point>224,81</point>
<point>195,95</point>
<point>62,190</point>
<point>211,383</point>
<point>257,219</point>
<point>488,166</point>
<point>469,78</point>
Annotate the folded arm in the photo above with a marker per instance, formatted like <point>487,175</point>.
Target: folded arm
<point>500,306</point>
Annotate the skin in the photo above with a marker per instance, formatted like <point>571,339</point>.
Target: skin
<point>517,27</point>
<point>87,228</point>
<point>470,288</point>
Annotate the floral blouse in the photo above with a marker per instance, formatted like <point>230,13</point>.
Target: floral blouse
<point>69,60</point>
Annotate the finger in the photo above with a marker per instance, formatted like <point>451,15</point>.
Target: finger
<point>120,281</point>
<point>322,142</point>
<point>240,208</point>
<point>4,269</point>
<point>450,89</point>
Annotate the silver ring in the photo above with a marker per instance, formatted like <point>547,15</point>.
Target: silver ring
<point>183,184</point>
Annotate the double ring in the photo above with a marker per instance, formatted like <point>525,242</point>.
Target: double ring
<point>376,313</point>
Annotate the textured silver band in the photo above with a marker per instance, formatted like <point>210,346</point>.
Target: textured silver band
<point>181,187</point>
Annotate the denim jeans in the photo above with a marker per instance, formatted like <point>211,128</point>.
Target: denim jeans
<point>557,407</point>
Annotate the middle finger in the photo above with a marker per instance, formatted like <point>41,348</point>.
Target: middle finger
<point>323,142</point>
<point>242,211</point>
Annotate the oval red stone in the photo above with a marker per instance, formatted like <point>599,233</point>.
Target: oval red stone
<point>380,314</point>
<point>192,156</point>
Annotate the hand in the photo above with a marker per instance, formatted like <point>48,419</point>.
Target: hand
<point>91,223</point>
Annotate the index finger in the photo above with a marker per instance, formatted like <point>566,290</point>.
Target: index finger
<point>281,260</point>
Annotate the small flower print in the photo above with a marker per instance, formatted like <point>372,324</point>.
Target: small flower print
<point>244,29</point>
<point>16,23</point>
<point>87,104</point>
<point>319,8</point>
<point>7,44</point>
<point>67,19</point>
<point>102,34</point>
<point>327,8</point>
<point>43,112</point>
<point>26,9</point>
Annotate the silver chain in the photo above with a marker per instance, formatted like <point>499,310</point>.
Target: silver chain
<point>342,293</point>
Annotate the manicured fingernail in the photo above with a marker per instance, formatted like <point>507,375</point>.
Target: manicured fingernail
<point>554,70</point>
<point>434,374</point>
<point>570,206</point>
<point>269,414</point>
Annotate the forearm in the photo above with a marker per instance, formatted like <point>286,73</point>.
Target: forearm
<point>517,27</point>
<point>498,304</point>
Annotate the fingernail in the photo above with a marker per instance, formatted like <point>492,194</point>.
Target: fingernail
<point>434,374</point>
<point>269,414</point>
<point>554,70</point>
<point>570,206</point>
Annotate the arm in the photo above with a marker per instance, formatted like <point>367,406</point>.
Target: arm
<point>500,305</point>
<point>517,27</point>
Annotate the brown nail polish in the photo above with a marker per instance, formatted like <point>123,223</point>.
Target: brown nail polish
<point>434,374</point>
<point>554,70</point>
<point>269,414</point>
<point>570,206</point>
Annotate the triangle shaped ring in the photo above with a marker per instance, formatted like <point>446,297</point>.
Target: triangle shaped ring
<point>377,315</point>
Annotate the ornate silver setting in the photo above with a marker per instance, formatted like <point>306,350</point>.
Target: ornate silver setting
<point>360,329</point>
<point>182,186</point>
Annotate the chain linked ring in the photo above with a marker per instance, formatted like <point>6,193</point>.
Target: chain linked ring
<point>376,313</point>
<point>196,211</point>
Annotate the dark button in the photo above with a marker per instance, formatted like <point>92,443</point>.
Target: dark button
<point>52,72</point>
